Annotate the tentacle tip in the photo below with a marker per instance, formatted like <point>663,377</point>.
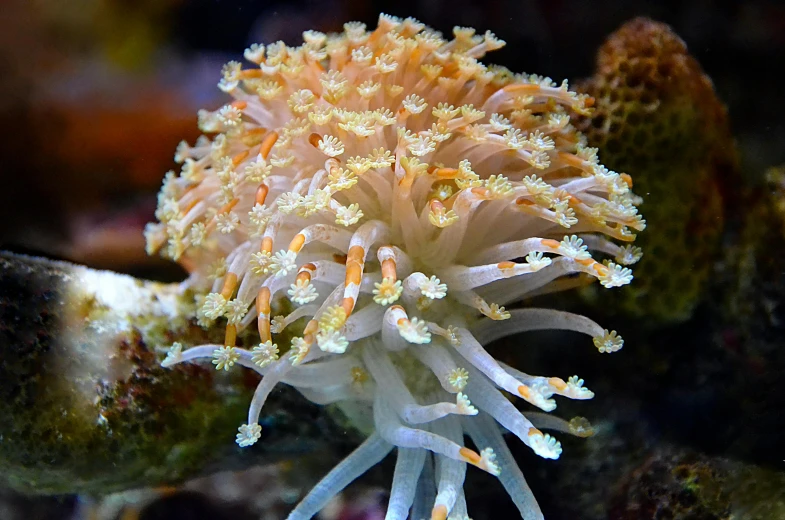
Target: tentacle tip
<point>439,512</point>
<point>544,445</point>
<point>488,462</point>
<point>248,434</point>
<point>470,456</point>
<point>465,406</point>
<point>174,356</point>
<point>581,427</point>
<point>576,390</point>
<point>609,342</point>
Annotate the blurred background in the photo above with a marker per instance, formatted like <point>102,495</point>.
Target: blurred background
<point>96,94</point>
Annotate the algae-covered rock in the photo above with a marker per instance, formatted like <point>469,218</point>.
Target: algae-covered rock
<point>85,406</point>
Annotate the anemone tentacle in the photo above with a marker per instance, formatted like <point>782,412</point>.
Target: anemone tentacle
<point>366,198</point>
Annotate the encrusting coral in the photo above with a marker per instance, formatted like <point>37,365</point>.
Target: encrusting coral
<point>365,198</point>
<point>657,114</point>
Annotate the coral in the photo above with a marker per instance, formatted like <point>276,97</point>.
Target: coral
<point>657,114</point>
<point>673,485</point>
<point>365,199</point>
<point>678,484</point>
<point>86,407</point>
<point>758,493</point>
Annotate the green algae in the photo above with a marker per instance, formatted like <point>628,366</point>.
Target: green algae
<point>87,408</point>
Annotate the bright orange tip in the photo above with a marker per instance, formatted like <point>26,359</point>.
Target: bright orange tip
<point>228,206</point>
<point>231,335</point>
<point>446,173</point>
<point>267,144</point>
<point>356,254</point>
<point>261,193</point>
<point>557,383</point>
<point>314,139</point>
<point>230,282</point>
<point>439,512</point>
<point>251,73</point>
<point>471,456</point>
<point>263,301</point>
<point>240,157</point>
<point>297,243</point>
<point>388,269</point>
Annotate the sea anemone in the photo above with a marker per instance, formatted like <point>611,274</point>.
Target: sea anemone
<point>367,197</point>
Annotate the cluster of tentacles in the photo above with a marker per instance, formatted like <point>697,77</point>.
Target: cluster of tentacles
<point>365,200</point>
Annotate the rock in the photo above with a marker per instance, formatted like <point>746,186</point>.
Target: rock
<point>85,406</point>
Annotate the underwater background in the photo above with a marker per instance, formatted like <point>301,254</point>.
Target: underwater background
<point>96,94</point>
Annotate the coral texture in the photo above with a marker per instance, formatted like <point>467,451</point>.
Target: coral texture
<point>367,197</point>
<point>672,484</point>
<point>658,115</point>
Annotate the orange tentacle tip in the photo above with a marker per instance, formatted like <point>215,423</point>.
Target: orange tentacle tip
<point>470,456</point>
<point>263,301</point>
<point>439,512</point>
<point>261,194</point>
<point>267,144</point>
<point>314,139</point>
<point>297,243</point>
<point>558,383</point>
<point>231,335</point>
<point>230,282</point>
<point>240,157</point>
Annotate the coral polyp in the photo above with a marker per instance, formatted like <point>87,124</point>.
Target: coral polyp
<point>371,202</point>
